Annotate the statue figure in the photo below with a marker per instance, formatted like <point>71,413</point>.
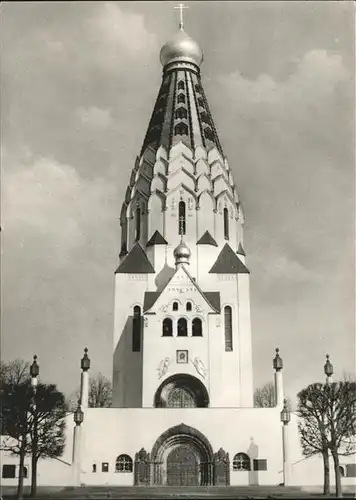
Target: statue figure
<point>163,367</point>
<point>199,366</point>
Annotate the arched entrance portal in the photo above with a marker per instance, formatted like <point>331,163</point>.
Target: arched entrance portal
<point>181,391</point>
<point>182,456</point>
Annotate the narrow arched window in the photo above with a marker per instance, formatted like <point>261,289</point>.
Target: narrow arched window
<point>209,134</point>
<point>188,307</point>
<point>182,327</point>
<point>181,98</point>
<point>181,113</point>
<point>94,467</point>
<point>241,462</point>
<point>181,85</point>
<point>181,129</point>
<point>138,223</point>
<point>226,224</point>
<point>181,218</point>
<point>175,306</point>
<point>228,328</point>
<point>204,117</point>
<point>123,463</point>
<point>167,327</point>
<point>200,102</point>
<point>197,329</point>
<point>136,329</point>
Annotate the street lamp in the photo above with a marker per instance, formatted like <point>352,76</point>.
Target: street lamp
<point>285,413</point>
<point>78,414</point>
<point>285,419</point>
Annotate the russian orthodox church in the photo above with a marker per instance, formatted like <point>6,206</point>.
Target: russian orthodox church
<point>182,411</point>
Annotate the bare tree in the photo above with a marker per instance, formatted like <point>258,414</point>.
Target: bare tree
<point>14,372</point>
<point>100,393</point>
<point>264,397</point>
<point>328,424</point>
<point>31,423</point>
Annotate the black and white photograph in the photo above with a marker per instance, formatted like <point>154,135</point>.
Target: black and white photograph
<point>177,249</point>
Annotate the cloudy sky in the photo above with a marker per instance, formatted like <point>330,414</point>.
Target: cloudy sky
<point>78,84</point>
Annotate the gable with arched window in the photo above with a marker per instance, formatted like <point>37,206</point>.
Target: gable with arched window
<point>181,85</point>
<point>226,224</point>
<point>197,328</point>
<point>204,117</point>
<point>181,218</point>
<point>123,463</point>
<point>182,327</point>
<point>181,98</point>
<point>200,102</point>
<point>228,328</point>
<point>167,327</point>
<point>136,329</point>
<point>181,112</point>
<point>181,129</point>
<point>209,134</point>
<point>241,462</point>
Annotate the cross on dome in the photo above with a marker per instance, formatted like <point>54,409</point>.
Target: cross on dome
<point>181,6</point>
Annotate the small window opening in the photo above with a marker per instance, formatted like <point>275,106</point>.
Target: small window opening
<point>136,329</point>
<point>188,306</point>
<point>226,223</point>
<point>241,462</point>
<point>181,98</point>
<point>182,327</point>
<point>197,329</point>
<point>181,218</point>
<point>175,306</point>
<point>123,464</point>
<point>228,328</point>
<point>167,327</point>
<point>105,467</point>
<point>181,85</point>
<point>94,468</point>
<point>138,223</point>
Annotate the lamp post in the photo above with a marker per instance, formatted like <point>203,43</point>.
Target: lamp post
<point>328,370</point>
<point>278,378</point>
<point>34,372</point>
<point>78,420</point>
<point>285,419</point>
<point>84,382</point>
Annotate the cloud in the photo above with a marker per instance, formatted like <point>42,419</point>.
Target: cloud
<point>125,31</point>
<point>94,117</point>
<point>316,76</point>
<point>48,209</point>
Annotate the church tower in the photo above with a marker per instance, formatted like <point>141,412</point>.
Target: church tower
<point>182,335</point>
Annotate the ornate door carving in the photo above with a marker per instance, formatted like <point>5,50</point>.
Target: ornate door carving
<point>142,468</point>
<point>183,467</point>
<point>221,468</point>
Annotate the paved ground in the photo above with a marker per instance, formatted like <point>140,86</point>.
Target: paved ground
<point>158,493</point>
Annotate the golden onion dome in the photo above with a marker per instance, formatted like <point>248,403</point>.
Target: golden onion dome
<point>182,253</point>
<point>181,48</point>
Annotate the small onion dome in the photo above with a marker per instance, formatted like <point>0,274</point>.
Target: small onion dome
<point>328,367</point>
<point>181,48</point>
<point>182,253</point>
<point>85,361</point>
<point>278,361</point>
